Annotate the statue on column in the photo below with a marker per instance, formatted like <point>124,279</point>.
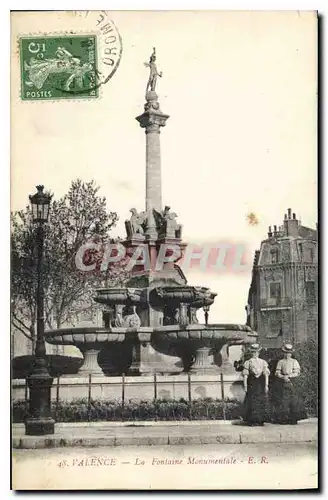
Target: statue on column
<point>151,84</point>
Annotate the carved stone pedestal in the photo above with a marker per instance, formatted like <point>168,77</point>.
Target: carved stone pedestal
<point>201,364</point>
<point>134,368</point>
<point>90,365</point>
<point>146,360</point>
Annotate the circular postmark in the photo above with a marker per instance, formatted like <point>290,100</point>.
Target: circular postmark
<point>71,63</point>
<point>99,71</point>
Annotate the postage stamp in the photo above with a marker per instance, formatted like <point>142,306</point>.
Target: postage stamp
<point>59,67</point>
<point>70,64</point>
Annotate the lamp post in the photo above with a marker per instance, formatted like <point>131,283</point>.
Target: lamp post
<point>206,311</point>
<point>39,381</point>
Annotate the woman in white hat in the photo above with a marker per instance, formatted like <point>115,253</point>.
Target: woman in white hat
<point>286,407</point>
<point>256,379</point>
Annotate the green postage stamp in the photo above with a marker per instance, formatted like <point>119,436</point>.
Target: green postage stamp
<point>58,67</point>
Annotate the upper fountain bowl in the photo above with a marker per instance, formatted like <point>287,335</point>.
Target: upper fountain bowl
<point>122,296</point>
<point>196,296</point>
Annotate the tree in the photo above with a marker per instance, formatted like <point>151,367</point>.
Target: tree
<point>23,275</point>
<point>307,354</point>
<point>78,217</point>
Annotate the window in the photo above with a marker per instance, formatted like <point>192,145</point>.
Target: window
<point>311,254</point>
<point>275,324</point>
<point>301,251</point>
<point>275,290</point>
<point>310,291</point>
<point>274,256</point>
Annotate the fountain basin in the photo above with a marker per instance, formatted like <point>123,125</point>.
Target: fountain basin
<point>212,332</point>
<point>121,296</point>
<point>194,343</point>
<point>196,296</point>
<point>90,341</point>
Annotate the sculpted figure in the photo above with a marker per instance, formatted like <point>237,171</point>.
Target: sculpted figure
<point>160,218</point>
<point>166,212</point>
<point>151,84</point>
<point>134,225</point>
<point>108,316</point>
<point>118,321</point>
<point>176,316</point>
<point>161,292</point>
<point>184,320</point>
<point>172,227</point>
<point>132,320</point>
<point>193,315</point>
<point>167,320</point>
<point>169,226</point>
<point>202,293</point>
<point>132,294</point>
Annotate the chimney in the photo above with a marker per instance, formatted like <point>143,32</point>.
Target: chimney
<point>291,224</point>
<point>285,216</point>
<point>275,231</point>
<point>270,232</point>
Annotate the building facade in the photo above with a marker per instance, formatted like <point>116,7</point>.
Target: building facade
<point>283,296</point>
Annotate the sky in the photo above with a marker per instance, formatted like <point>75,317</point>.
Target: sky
<point>240,89</point>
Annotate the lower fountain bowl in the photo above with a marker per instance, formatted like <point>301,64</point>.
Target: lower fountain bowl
<point>196,343</point>
<point>90,341</point>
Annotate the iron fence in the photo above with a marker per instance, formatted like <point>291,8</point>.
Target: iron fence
<point>151,384</point>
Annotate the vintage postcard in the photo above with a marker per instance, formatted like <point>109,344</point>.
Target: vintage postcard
<point>164,250</point>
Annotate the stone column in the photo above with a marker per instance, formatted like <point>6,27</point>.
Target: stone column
<point>152,120</point>
<point>153,166</point>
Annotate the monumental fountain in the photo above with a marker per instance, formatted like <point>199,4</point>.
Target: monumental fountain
<point>150,327</point>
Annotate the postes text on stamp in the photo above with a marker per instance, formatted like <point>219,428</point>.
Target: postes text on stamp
<point>59,67</point>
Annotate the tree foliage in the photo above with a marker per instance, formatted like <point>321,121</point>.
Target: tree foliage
<point>77,218</point>
<point>307,355</point>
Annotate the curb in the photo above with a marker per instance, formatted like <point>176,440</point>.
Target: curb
<point>153,423</point>
<point>32,442</point>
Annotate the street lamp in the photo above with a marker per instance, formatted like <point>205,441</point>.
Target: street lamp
<point>206,309</point>
<point>39,381</point>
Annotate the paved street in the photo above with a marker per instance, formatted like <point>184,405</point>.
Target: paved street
<point>219,466</point>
